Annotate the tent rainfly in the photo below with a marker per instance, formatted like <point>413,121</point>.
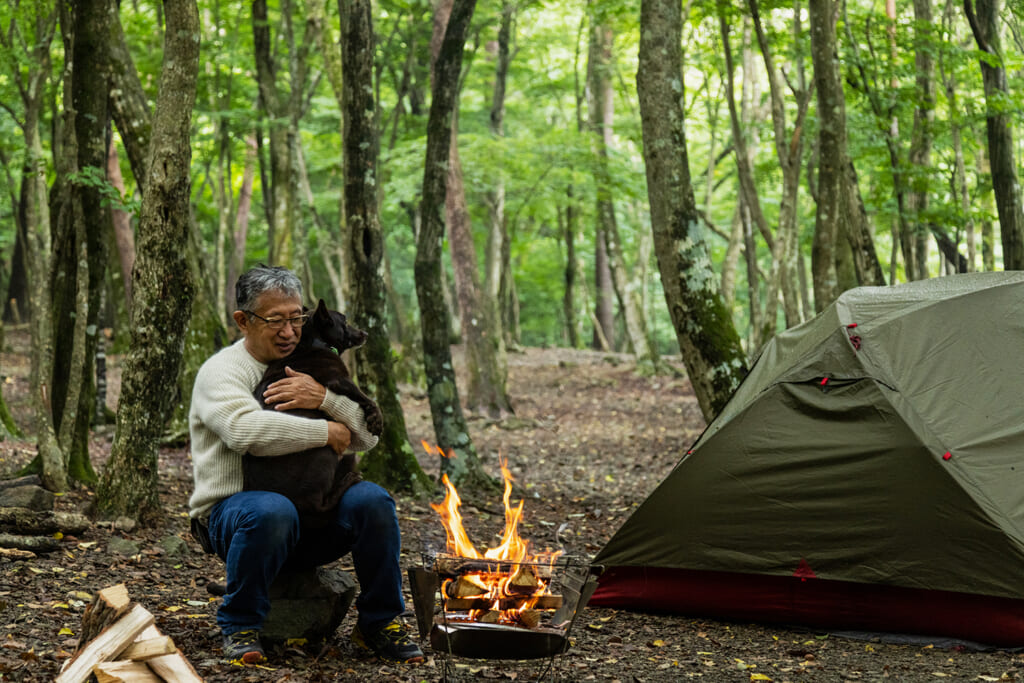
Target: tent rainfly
<point>868,474</point>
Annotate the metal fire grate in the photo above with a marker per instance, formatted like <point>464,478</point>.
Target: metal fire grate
<point>450,635</point>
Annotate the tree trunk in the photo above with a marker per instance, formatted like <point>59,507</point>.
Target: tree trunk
<point>485,358</point>
<point>52,464</point>
<point>392,463</point>
<point>279,195</point>
<point>998,124</point>
<point>828,211</point>
<point>450,428</point>
<point>707,338</point>
<point>568,294</point>
<point>124,236</point>
<point>921,133</point>
<point>81,237</point>
<point>128,101</point>
<point>162,282</point>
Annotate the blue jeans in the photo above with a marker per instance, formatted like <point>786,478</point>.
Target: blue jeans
<point>257,534</point>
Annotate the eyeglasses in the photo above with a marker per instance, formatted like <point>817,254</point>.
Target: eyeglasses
<point>278,323</point>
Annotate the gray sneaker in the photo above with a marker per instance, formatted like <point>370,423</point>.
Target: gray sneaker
<point>244,647</point>
<point>389,642</point>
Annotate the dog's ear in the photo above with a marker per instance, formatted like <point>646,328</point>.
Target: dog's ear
<point>321,310</point>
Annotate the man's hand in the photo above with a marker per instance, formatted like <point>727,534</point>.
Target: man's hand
<point>338,437</point>
<point>297,390</point>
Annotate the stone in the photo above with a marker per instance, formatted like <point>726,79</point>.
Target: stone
<point>174,546</point>
<point>122,546</point>
<point>32,497</point>
<point>308,605</point>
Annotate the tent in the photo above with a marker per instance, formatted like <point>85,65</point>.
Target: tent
<point>868,474</point>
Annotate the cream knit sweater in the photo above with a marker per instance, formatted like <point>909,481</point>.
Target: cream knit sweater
<point>226,421</point>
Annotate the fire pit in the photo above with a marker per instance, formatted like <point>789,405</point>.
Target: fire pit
<point>506,603</point>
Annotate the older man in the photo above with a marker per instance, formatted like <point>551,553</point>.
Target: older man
<point>257,533</point>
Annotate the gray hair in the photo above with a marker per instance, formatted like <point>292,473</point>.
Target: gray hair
<point>263,278</point>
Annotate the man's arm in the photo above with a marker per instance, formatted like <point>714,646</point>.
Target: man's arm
<point>223,402</point>
<point>299,390</point>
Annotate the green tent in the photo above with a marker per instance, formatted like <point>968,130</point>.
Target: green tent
<point>867,474</point>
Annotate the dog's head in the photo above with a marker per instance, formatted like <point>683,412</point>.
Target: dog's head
<point>331,329</point>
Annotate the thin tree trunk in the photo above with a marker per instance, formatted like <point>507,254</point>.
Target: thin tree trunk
<point>240,234</point>
<point>392,463</point>
<point>162,282</point>
<point>707,338</point>
<point>450,428</point>
<point>985,26</point>
<point>568,293</point>
<point>486,362</point>
<point>124,235</point>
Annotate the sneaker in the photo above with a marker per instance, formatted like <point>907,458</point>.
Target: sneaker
<point>390,642</point>
<point>244,647</point>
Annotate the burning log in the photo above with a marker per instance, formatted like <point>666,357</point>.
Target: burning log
<point>479,603</point>
<point>454,567</point>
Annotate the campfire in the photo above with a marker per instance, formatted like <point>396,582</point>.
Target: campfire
<point>499,603</point>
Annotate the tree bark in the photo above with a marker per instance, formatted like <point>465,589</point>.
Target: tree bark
<point>828,209</point>
<point>707,339</point>
<point>998,125</point>
<point>162,281</point>
<point>450,426</point>
<point>392,463</point>
<point>280,195</point>
<point>602,126</point>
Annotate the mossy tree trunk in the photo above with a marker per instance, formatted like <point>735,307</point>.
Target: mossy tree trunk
<point>161,282</point>
<point>392,463</point>
<point>450,426</point>
<point>707,338</point>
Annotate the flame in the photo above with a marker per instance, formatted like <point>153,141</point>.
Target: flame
<point>522,585</point>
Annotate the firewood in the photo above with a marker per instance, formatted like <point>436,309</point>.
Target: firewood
<point>465,604</point>
<point>107,645</point>
<point>175,668</point>
<point>530,618</point>
<point>31,522</point>
<point>35,544</point>
<point>107,607</point>
<point>463,587</point>
<point>142,650</point>
<point>451,567</point>
<point>125,672</point>
<point>525,577</point>
<point>490,617</point>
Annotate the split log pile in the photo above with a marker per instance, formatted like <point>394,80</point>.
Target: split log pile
<point>119,643</point>
<point>28,523</point>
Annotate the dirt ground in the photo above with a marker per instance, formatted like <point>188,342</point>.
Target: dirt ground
<point>590,440</point>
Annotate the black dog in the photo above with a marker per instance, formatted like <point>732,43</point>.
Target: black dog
<point>315,479</point>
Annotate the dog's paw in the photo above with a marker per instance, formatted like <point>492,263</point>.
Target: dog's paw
<point>374,421</point>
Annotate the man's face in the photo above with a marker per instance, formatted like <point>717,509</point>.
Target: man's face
<point>262,342</point>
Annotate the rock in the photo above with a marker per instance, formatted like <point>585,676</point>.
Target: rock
<point>27,496</point>
<point>122,546</point>
<point>174,546</point>
<point>308,605</point>
<point>126,524</point>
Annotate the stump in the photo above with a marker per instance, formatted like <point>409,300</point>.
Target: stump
<point>309,605</point>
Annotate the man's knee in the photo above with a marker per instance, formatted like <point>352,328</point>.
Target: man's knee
<point>373,504</point>
<point>270,519</point>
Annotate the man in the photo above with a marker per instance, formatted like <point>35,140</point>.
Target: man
<point>257,533</point>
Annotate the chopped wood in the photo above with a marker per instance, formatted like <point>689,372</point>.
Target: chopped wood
<point>451,567</point>
<point>32,522</point>
<point>466,604</point>
<point>125,672</point>
<point>464,587</point>
<point>35,544</point>
<point>490,617</point>
<point>151,647</point>
<point>107,645</point>
<point>525,576</point>
<point>107,607</point>
<point>530,618</point>
<point>175,668</point>
<point>17,554</point>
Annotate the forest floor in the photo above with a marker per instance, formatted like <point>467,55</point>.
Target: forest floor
<point>590,440</point>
